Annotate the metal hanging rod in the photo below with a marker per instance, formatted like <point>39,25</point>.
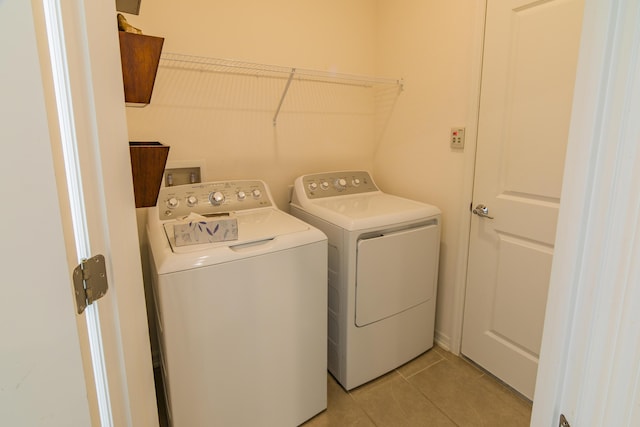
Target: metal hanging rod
<point>229,66</point>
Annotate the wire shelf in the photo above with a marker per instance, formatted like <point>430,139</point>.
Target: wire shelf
<point>229,66</point>
<point>242,68</point>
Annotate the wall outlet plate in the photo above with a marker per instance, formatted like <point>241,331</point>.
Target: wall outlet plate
<point>456,137</point>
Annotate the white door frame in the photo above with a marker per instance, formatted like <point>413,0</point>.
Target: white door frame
<point>471,132</point>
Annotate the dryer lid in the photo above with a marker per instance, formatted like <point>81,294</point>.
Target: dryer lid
<point>352,201</point>
<point>359,212</point>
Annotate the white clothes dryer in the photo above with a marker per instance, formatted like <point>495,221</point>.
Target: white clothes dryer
<point>242,320</point>
<point>383,272</point>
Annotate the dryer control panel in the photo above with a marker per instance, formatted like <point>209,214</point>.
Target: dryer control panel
<point>331,184</point>
<point>212,198</point>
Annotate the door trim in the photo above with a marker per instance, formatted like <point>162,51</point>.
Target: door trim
<point>454,342</point>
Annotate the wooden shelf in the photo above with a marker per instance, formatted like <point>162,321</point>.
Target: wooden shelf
<point>148,160</point>
<point>140,55</point>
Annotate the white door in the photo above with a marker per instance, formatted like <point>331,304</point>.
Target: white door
<point>529,64</point>
<point>41,374</point>
<point>46,377</point>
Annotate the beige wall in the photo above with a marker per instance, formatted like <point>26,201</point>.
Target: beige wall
<point>436,47</point>
<point>226,120</point>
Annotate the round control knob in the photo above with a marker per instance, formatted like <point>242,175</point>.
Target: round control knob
<point>340,184</point>
<point>324,185</point>
<point>173,203</point>
<point>242,195</point>
<point>355,182</point>
<point>192,200</point>
<point>256,193</point>
<point>216,198</point>
<point>313,186</point>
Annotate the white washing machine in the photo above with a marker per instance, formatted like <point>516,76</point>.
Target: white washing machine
<point>383,272</point>
<point>242,319</point>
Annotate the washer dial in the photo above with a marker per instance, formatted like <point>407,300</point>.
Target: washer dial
<point>173,203</point>
<point>216,198</point>
<point>192,200</point>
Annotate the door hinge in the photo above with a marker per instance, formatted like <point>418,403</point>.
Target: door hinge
<point>563,421</point>
<point>90,281</point>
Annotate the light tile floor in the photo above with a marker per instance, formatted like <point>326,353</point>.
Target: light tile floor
<point>435,389</point>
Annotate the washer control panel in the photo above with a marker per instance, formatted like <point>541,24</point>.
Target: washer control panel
<point>212,198</point>
<point>331,184</point>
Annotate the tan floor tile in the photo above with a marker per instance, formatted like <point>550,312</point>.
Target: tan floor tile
<point>392,401</point>
<point>341,410</point>
<point>509,398</point>
<point>469,397</point>
<point>435,389</point>
<point>445,353</point>
<point>421,362</point>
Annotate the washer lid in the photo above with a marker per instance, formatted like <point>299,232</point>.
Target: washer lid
<point>260,232</point>
<point>370,210</point>
<point>253,226</point>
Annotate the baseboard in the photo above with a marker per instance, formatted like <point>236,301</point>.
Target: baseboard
<point>442,340</point>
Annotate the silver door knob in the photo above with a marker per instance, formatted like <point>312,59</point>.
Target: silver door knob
<point>482,210</point>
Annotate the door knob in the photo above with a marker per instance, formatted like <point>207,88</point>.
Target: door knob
<point>482,210</point>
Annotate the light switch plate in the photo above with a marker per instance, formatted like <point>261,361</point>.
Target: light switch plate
<point>456,138</point>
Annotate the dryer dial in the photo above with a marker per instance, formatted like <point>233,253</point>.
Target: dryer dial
<point>340,184</point>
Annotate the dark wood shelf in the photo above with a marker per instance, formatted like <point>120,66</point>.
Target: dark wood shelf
<point>148,160</point>
<point>140,55</point>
